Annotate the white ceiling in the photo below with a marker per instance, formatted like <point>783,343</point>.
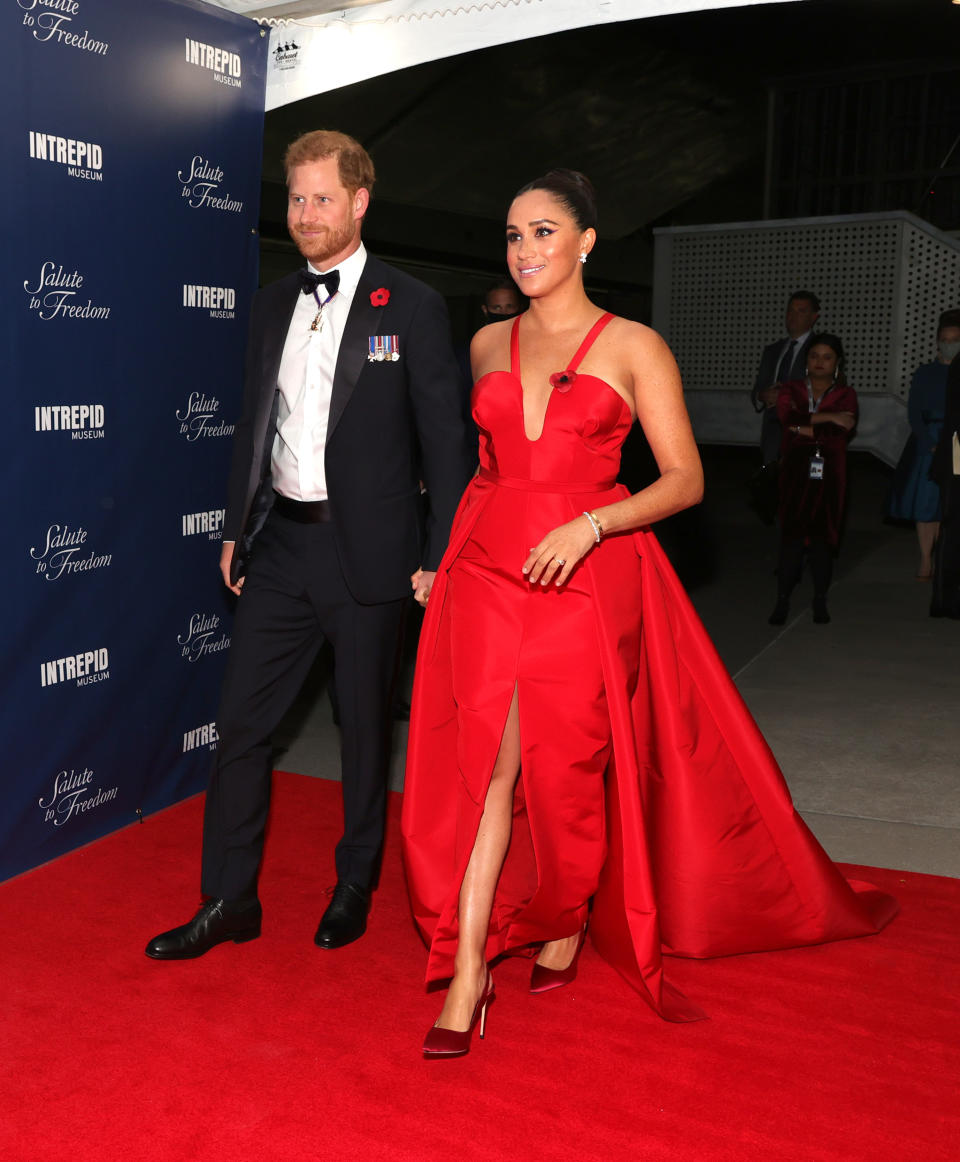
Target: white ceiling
<point>288,8</point>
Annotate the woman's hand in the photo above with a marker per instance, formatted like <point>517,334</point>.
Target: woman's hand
<point>845,420</point>
<point>554,558</point>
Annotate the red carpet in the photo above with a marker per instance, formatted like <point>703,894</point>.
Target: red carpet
<point>274,1050</point>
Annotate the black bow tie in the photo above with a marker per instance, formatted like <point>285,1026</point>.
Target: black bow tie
<point>330,282</point>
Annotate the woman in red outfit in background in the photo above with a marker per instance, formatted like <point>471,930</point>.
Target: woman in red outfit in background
<point>818,416</point>
<point>576,746</point>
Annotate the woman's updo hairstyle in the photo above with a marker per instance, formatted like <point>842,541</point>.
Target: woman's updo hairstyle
<point>573,191</point>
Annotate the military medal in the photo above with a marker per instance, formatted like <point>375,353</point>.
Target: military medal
<point>309,281</point>
<point>317,324</point>
<point>383,348</point>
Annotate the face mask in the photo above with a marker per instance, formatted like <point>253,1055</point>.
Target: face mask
<point>948,351</point>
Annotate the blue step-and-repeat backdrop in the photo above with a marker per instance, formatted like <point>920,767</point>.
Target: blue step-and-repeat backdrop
<point>132,134</point>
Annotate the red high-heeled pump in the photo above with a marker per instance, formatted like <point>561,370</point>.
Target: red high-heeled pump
<point>455,1042</point>
<point>542,980</point>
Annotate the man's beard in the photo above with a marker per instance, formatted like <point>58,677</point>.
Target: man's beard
<point>321,247</point>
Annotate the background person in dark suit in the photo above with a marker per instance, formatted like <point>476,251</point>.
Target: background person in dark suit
<point>502,300</point>
<point>782,362</point>
<point>351,397</point>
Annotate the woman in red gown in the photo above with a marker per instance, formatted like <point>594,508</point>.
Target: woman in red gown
<point>574,736</point>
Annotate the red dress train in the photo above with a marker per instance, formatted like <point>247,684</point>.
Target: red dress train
<point>645,783</point>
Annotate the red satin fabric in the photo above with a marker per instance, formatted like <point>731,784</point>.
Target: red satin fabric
<point>813,508</point>
<point>645,782</point>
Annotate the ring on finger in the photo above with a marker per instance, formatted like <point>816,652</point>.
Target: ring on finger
<point>560,560</point>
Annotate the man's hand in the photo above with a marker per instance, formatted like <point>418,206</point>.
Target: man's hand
<point>768,396</point>
<point>226,557</point>
<point>422,582</point>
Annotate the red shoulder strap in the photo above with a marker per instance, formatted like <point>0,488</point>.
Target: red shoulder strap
<point>515,348</point>
<point>588,342</point>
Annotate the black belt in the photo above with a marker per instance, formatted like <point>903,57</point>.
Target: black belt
<point>304,512</point>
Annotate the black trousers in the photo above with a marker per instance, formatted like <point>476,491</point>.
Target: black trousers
<point>790,564</point>
<point>294,598</point>
<point>771,433</point>
<point>945,600</point>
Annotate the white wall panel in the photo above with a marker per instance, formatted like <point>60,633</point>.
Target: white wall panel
<point>720,294</point>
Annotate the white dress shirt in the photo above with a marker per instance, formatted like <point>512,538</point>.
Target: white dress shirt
<point>306,383</point>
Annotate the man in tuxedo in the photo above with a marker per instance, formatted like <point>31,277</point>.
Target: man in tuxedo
<point>351,398</point>
<point>782,361</point>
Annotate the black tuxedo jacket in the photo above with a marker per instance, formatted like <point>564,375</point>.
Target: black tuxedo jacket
<point>391,424</point>
<point>767,373</point>
<point>770,431</point>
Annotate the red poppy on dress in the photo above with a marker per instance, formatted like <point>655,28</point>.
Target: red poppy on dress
<point>380,297</point>
<point>563,380</point>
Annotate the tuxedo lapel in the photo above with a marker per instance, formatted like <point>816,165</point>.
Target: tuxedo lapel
<point>362,322</point>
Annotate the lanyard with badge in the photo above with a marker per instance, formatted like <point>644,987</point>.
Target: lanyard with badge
<point>816,460</point>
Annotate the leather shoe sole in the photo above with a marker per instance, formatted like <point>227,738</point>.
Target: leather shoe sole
<point>212,925</point>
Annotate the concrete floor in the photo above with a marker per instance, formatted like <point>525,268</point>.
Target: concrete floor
<point>863,714</point>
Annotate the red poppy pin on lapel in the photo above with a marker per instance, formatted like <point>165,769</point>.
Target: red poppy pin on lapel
<point>380,297</point>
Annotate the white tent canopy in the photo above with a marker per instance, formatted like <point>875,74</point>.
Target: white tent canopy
<point>319,45</point>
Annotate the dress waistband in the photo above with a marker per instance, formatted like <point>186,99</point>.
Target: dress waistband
<point>523,485</point>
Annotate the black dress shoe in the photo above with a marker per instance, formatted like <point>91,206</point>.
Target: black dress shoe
<point>780,612</point>
<point>213,924</point>
<point>820,614</point>
<point>345,920</point>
